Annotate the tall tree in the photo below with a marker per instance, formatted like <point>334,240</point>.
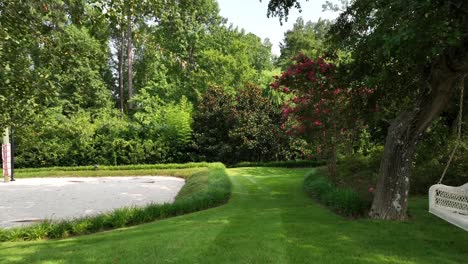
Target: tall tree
<point>25,27</point>
<point>130,17</point>
<point>416,55</point>
<point>306,38</point>
<point>125,16</point>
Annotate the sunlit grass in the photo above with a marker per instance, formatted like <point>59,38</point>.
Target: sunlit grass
<point>269,219</point>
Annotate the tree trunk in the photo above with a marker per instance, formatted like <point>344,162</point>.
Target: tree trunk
<point>391,196</point>
<point>121,67</point>
<point>130,59</point>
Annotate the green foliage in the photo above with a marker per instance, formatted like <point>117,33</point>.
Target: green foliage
<point>191,48</point>
<point>242,127</point>
<point>212,123</point>
<point>305,37</point>
<point>202,190</point>
<point>178,120</point>
<point>23,86</point>
<point>393,44</point>
<point>77,71</point>
<point>256,134</point>
<point>432,156</point>
<point>281,164</point>
<point>119,168</point>
<point>160,134</point>
<point>344,201</point>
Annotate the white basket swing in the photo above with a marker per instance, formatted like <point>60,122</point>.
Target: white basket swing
<point>447,202</point>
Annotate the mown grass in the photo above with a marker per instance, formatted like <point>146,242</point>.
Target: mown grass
<point>269,219</point>
<point>204,188</point>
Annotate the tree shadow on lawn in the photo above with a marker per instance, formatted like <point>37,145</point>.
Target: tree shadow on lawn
<point>268,220</point>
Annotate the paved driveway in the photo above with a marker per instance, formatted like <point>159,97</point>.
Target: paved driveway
<point>30,200</point>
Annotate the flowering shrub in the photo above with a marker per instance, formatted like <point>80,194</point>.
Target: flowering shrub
<point>320,109</point>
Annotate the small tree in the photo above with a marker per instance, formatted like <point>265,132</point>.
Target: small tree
<point>320,109</point>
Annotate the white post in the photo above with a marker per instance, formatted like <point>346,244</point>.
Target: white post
<point>6,156</point>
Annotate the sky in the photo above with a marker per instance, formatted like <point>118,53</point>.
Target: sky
<point>251,16</point>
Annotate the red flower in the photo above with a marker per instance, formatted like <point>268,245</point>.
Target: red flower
<point>311,76</point>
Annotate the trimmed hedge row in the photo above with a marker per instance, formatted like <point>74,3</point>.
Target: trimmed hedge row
<point>120,167</point>
<point>343,201</point>
<point>282,164</point>
<point>216,191</point>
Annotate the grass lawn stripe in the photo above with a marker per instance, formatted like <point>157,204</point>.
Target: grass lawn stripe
<point>269,219</point>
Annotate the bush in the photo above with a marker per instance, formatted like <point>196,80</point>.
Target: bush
<point>281,164</point>
<point>247,126</point>
<point>151,136</point>
<point>344,201</point>
<point>120,167</point>
<point>361,171</point>
<point>202,190</point>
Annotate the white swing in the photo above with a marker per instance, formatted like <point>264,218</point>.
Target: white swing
<point>450,203</point>
<point>447,202</point>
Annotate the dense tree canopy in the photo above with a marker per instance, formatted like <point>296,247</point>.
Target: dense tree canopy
<point>67,66</point>
<point>305,37</point>
<point>127,81</point>
<point>415,54</point>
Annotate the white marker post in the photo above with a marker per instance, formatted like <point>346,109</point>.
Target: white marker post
<point>6,156</point>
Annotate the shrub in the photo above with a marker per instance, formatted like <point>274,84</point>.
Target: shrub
<point>282,164</point>
<point>230,128</point>
<point>120,167</point>
<point>344,201</point>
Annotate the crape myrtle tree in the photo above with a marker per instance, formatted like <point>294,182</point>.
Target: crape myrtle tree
<point>416,55</point>
<point>320,109</point>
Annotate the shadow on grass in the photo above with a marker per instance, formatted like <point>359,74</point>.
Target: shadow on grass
<point>268,220</point>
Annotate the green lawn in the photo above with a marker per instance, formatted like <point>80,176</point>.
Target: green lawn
<point>268,220</point>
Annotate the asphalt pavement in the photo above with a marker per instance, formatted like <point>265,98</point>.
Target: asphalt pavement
<point>27,201</point>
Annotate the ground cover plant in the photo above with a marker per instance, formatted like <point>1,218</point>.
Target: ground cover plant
<point>269,219</point>
<point>343,200</point>
<point>285,164</point>
<point>205,187</point>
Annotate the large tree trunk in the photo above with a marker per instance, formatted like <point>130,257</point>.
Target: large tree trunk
<point>391,196</point>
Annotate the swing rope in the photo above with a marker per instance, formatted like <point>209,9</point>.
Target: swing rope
<point>459,130</point>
